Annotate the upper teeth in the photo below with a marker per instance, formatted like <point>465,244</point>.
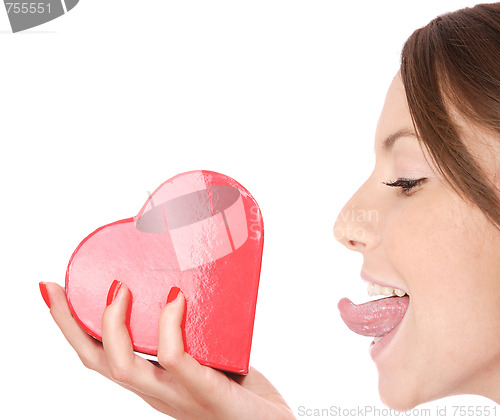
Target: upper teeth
<point>376,289</point>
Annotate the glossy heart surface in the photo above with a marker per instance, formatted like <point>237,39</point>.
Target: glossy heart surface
<point>200,231</point>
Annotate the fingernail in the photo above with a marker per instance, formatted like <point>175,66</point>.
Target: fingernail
<point>45,294</point>
<point>172,295</point>
<point>113,292</point>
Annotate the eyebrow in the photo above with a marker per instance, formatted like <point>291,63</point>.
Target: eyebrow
<point>392,138</point>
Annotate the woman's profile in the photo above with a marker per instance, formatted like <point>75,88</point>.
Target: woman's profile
<point>432,248</point>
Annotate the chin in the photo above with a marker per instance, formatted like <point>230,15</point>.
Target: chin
<point>398,394</point>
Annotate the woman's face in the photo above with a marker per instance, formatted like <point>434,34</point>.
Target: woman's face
<point>439,249</point>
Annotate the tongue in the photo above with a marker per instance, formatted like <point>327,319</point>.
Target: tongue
<point>374,318</point>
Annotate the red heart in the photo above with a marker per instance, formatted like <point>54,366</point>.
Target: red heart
<point>200,231</point>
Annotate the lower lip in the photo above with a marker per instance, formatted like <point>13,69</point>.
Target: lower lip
<point>377,348</point>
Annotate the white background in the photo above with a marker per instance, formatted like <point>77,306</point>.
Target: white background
<point>102,105</point>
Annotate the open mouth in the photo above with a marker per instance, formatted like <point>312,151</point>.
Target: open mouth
<point>378,318</point>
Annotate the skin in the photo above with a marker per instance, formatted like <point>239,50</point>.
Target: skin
<point>443,252</point>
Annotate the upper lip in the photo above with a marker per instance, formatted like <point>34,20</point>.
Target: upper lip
<point>371,279</point>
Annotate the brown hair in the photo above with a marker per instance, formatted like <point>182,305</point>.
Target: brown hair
<point>455,59</point>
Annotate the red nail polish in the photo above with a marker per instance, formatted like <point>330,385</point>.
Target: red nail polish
<point>172,295</point>
<point>113,292</point>
<point>45,294</point>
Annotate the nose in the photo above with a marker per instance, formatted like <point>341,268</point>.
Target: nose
<point>356,226</point>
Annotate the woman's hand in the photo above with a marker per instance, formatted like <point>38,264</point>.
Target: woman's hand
<point>178,385</point>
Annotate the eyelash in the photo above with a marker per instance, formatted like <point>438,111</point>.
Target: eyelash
<point>406,184</point>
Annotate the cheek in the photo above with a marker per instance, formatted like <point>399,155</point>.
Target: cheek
<point>440,250</point>
<point>422,244</point>
<point>437,247</point>
<point>420,237</point>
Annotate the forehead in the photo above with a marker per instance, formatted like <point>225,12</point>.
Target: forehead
<point>395,116</point>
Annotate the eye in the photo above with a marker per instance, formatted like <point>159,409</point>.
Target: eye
<point>406,184</point>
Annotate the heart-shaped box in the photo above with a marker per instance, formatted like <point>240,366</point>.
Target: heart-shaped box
<point>200,231</point>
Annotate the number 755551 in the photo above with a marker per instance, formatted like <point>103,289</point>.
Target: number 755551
<point>26,8</point>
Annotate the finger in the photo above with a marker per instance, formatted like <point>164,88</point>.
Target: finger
<point>170,334</point>
<point>89,350</point>
<point>197,379</point>
<point>114,324</point>
<point>125,367</point>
